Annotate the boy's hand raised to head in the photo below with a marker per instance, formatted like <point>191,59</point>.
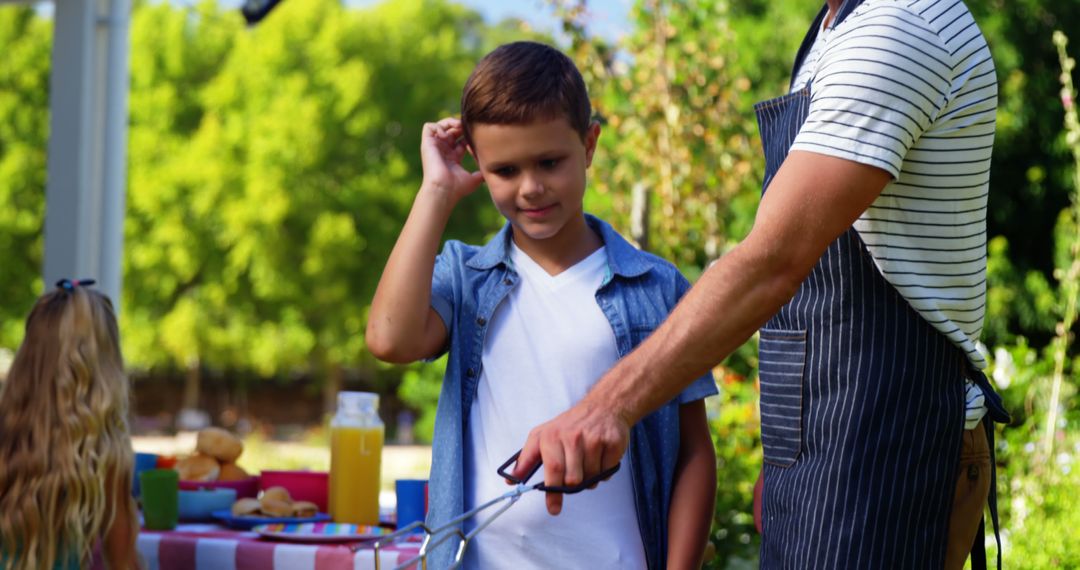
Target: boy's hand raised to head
<point>578,444</point>
<point>442,147</point>
<point>402,325</point>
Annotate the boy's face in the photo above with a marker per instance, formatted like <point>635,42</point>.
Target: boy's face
<point>536,175</point>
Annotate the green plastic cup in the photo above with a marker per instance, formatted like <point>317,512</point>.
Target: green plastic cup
<point>160,498</point>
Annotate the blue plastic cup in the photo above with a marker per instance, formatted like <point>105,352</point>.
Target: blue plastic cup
<point>143,462</point>
<point>411,501</point>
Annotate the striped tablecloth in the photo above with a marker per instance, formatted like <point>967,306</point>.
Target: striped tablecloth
<point>213,547</point>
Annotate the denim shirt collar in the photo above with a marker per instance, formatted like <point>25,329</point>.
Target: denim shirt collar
<point>623,259</point>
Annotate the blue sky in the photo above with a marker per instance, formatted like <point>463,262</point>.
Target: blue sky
<point>607,18</point>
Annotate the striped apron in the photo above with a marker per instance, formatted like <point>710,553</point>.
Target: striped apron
<point>862,404</point>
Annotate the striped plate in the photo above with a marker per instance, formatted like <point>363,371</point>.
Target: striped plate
<point>320,532</point>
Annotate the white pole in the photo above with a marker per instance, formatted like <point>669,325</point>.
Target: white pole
<point>72,186</point>
<point>115,167</point>
<point>87,143</point>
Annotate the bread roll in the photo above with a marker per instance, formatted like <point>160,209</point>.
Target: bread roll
<point>275,508</point>
<point>198,468</point>
<point>304,509</point>
<point>277,494</point>
<point>232,472</point>
<point>246,508</point>
<point>219,444</point>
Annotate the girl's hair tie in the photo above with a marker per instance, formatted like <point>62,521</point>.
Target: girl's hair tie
<point>69,285</point>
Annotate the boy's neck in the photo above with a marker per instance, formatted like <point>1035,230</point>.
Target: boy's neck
<point>558,253</point>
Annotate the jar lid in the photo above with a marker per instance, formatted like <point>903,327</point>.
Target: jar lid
<point>358,401</point>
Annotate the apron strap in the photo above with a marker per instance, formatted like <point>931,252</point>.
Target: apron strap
<point>807,43</point>
<point>808,40</point>
<point>996,413</point>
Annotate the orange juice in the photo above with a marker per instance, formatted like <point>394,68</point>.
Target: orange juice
<point>355,454</point>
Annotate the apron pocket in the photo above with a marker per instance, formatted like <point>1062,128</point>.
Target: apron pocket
<point>782,355</point>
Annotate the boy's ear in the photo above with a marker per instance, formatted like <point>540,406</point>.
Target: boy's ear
<point>591,137</point>
<point>472,153</point>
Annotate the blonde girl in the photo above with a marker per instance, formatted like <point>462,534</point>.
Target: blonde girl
<point>65,452</point>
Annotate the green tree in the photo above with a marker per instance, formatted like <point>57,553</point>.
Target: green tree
<point>24,114</point>
<point>1029,180</point>
<point>271,171</point>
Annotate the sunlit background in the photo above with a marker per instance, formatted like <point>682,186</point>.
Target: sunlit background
<point>269,169</point>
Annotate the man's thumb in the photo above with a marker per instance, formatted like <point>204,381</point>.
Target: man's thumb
<point>527,460</point>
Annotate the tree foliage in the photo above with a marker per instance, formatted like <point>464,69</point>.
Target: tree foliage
<point>24,104</point>
<point>271,169</point>
<point>1030,174</point>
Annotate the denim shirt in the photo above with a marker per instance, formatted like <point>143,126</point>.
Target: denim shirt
<point>638,291</point>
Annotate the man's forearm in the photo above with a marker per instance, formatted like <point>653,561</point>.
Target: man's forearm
<point>811,200</point>
<point>697,335</point>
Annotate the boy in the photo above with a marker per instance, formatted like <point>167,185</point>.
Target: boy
<point>531,320</point>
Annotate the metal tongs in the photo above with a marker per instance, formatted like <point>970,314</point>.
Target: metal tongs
<point>437,536</point>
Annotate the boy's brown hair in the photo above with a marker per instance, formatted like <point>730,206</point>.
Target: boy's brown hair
<point>523,82</point>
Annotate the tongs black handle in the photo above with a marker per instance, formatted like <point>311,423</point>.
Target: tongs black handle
<point>564,489</point>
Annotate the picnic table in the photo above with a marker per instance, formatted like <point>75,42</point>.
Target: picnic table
<point>214,547</point>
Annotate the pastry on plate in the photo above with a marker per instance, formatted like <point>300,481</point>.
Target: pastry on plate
<point>198,468</point>
<point>277,494</point>
<point>246,508</point>
<point>304,509</point>
<point>232,472</point>
<point>275,508</point>
<point>219,444</point>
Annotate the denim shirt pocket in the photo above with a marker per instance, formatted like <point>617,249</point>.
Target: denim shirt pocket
<point>782,358</point>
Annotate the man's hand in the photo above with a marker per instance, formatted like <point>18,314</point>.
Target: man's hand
<point>442,147</point>
<point>580,443</point>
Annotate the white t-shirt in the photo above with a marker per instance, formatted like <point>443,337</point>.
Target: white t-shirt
<point>547,344</point>
<point>909,86</point>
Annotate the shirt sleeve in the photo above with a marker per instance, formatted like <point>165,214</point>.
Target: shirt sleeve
<point>882,80</point>
<point>442,290</point>
<point>704,386</point>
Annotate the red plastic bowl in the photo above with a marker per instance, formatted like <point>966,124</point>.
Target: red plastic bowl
<point>302,485</point>
<point>244,487</point>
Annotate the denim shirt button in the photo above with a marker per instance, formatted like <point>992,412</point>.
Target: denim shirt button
<point>470,373</point>
<point>508,281</point>
<point>481,321</point>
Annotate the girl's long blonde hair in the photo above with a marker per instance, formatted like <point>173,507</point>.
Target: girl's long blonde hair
<point>65,451</point>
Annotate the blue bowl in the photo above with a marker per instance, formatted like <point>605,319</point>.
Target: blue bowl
<point>200,505</point>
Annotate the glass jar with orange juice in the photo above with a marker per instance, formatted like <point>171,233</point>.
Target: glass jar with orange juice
<point>356,441</point>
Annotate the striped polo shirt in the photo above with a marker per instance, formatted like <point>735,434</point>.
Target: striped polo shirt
<point>909,86</point>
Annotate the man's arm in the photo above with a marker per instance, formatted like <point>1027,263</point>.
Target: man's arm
<point>812,200</point>
<point>692,496</point>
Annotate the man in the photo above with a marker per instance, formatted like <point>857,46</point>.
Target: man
<point>865,272</point>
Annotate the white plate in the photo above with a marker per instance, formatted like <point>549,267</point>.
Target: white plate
<point>320,532</point>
